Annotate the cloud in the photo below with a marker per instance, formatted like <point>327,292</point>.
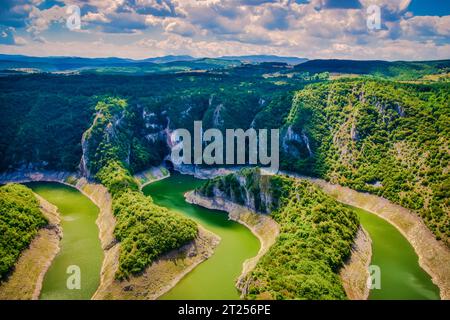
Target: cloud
<point>427,26</point>
<point>341,4</point>
<point>40,20</point>
<point>181,28</point>
<point>124,22</point>
<point>314,28</point>
<point>7,37</point>
<point>159,8</point>
<point>275,17</point>
<point>13,13</point>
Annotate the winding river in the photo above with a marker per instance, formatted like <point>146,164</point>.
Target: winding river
<point>80,245</point>
<point>401,275</point>
<point>215,278</point>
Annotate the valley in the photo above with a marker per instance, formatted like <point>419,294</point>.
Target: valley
<point>381,131</point>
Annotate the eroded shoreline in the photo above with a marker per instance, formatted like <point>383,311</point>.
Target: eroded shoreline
<point>25,282</point>
<point>263,227</point>
<point>354,273</point>
<point>434,256</point>
<point>163,274</point>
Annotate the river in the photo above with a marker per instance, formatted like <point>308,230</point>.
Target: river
<point>215,278</point>
<point>80,245</point>
<point>401,275</point>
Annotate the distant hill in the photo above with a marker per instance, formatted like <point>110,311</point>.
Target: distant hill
<point>170,58</point>
<point>401,70</point>
<point>265,58</point>
<point>395,69</point>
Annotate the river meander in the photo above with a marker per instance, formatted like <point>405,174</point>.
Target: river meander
<point>401,275</point>
<point>79,247</point>
<point>215,278</point>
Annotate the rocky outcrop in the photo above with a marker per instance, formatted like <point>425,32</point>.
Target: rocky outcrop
<point>203,173</point>
<point>296,144</point>
<point>249,188</point>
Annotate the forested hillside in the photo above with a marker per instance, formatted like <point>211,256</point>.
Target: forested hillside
<point>380,136</point>
<point>20,220</point>
<point>386,138</point>
<point>316,235</point>
<point>144,230</point>
<point>398,70</point>
<point>44,116</point>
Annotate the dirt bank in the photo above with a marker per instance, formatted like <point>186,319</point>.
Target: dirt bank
<point>25,282</point>
<point>262,226</point>
<point>434,256</point>
<point>355,272</point>
<point>162,275</point>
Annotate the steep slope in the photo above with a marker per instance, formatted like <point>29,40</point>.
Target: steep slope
<point>316,235</point>
<point>385,138</point>
<point>145,231</point>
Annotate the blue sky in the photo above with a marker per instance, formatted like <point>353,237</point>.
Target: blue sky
<point>409,30</point>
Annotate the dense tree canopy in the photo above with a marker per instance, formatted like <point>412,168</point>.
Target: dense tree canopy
<point>316,235</point>
<point>145,230</point>
<point>20,220</point>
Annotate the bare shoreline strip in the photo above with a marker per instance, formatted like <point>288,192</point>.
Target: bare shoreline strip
<point>262,226</point>
<point>160,276</point>
<point>434,256</point>
<point>94,192</point>
<point>354,273</point>
<point>25,282</point>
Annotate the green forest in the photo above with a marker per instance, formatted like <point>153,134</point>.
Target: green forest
<point>315,239</point>
<point>385,132</point>
<point>144,230</point>
<point>382,137</point>
<point>20,220</point>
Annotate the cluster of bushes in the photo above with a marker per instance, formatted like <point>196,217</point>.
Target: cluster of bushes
<point>20,220</point>
<point>145,230</point>
<point>386,138</point>
<point>316,237</point>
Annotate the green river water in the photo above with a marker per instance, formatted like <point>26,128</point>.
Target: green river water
<point>80,245</point>
<point>215,278</point>
<point>401,275</point>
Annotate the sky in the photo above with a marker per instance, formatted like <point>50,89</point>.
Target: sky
<point>314,29</point>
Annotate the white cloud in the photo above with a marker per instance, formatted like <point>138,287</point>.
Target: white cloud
<point>318,29</point>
